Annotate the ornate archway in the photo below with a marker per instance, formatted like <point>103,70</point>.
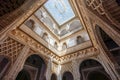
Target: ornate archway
<point>36,66</point>
<point>87,67</point>
<point>110,46</point>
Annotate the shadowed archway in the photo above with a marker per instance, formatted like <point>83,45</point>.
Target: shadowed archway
<point>90,67</point>
<point>36,66</point>
<point>97,75</point>
<point>23,75</point>
<point>67,76</point>
<point>109,45</point>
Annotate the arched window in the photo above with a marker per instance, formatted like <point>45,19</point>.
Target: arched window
<point>4,65</point>
<point>56,45</point>
<point>36,66</point>
<point>64,46</point>
<point>92,70</point>
<point>67,76</point>
<point>79,39</point>
<point>30,23</point>
<point>45,37</point>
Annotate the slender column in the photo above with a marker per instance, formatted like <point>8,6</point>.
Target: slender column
<point>59,73</point>
<point>48,72</point>
<point>76,73</point>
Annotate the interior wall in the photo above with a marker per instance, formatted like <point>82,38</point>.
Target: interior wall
<point>27,46</point>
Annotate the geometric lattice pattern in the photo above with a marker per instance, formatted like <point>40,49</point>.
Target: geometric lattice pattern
<point>10,48</point>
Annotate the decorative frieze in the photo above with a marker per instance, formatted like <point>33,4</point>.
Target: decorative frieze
<point>27,40</point>
<point>80,54</point>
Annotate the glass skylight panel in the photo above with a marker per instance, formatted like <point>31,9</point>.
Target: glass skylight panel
<point>60,10</point>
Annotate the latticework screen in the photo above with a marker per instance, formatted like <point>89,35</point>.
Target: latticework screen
<point>11,48</point>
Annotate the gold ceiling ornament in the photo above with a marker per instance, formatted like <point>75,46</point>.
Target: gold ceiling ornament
<point>61,4</point>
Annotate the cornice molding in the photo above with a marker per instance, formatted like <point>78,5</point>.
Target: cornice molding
<point>80,54</point>
<point>83,45</point>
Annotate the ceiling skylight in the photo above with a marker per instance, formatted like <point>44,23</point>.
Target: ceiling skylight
<point>60,10</point>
